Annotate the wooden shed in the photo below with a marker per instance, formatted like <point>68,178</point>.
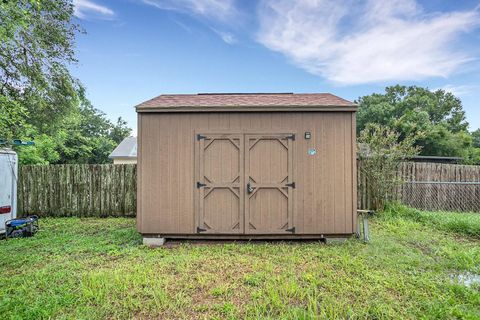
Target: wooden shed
<point>245,166</point>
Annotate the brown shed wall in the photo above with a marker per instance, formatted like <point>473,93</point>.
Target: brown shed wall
<point>324,200</point>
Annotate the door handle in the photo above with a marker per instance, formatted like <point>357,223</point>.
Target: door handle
<point>249,188</point>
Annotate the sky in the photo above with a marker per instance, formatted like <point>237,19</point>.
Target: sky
<point>134,50</point>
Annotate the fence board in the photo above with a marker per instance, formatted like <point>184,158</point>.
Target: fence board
<point>77,190</point>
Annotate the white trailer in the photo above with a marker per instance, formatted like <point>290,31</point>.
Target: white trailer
<point>8,186</point>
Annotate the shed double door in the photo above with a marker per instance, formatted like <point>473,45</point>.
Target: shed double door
<point>244,183</point>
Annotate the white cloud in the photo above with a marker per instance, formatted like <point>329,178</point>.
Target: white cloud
<point>218,12</point>
<point>353,41</point>
<point>221,10</point>
<point>227,37</point>
<point>83,9</point>
<point>457,90</point>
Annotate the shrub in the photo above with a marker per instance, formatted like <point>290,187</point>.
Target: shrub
<point>381,151</point>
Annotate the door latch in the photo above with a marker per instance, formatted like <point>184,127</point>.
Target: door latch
<point>249,188</point>
<point>290,185</point>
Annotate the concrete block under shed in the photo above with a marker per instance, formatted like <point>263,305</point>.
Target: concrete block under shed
<point>153,241</point>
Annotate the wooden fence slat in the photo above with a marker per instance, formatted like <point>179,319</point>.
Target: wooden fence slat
<point>77,190</point>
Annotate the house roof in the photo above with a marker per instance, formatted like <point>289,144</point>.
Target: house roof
<point>364,149</point>
<point>245,102</point>
<point>126,149</point>
<point>439,159</point>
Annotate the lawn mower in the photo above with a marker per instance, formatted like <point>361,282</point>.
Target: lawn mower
<point>21,227</point>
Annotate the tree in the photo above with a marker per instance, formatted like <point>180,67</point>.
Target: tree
<point>438,116</point>
<point>13,118</point>
<point>120,131</point>
<point>476,138</point>
<point>90,137</point>
<point>381,151</point>
<point>36,45</point>
<point>36,89</point>
<point>43,152</point>
<point>39,99</point>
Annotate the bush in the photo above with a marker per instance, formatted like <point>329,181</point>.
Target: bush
<point>381,150</point>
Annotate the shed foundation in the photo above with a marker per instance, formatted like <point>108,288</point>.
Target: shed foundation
<point>339,240</point>
<point>153,241</point>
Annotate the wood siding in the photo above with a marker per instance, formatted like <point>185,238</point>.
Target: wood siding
<point>324,197</point>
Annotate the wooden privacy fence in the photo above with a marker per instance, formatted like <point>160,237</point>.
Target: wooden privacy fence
<point>431,186</point>
<point>110,190</point>
<point>78,190</point>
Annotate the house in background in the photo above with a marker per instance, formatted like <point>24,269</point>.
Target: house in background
<point>364,149</point>
<point>437,159</point>
<point>125,152</point>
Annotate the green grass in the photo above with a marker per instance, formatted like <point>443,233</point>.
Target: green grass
<point>462,223</point>
<point>97,268</point>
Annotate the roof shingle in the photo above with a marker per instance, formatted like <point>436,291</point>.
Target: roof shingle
<point>245,100</point>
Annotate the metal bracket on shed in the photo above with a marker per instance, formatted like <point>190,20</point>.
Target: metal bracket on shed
<point>292,230</point>
<point>200,230</point>
<point>199,184</point>
<point>291,137</point>
<point>290,185</point>
<point>200,137</point>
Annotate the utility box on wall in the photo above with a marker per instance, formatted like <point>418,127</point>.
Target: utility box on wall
<point>244,166</point>
<point>8,186</point>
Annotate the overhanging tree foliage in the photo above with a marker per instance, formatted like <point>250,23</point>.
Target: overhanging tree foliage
<point>39,99</point>
<point>476,138</point>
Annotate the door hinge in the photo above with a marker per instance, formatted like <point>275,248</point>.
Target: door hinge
<point>199,184</point>
<point>292,230</point>
<point>291,137</point>
<point>200,137</point>
<point>200,230</point>
<point>290,185</point>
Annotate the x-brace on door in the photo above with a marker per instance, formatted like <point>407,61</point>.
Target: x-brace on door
<point>268,175</point>
<point>220,183</point>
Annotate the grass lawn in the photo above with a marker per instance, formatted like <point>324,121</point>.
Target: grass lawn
<point>97,268</point>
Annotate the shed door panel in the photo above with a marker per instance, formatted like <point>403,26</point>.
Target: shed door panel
<point>268,175</point>
<point>220,184</point>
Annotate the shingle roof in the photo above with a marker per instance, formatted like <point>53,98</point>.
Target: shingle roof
<point>245,100</point>
<point>126,149</point>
